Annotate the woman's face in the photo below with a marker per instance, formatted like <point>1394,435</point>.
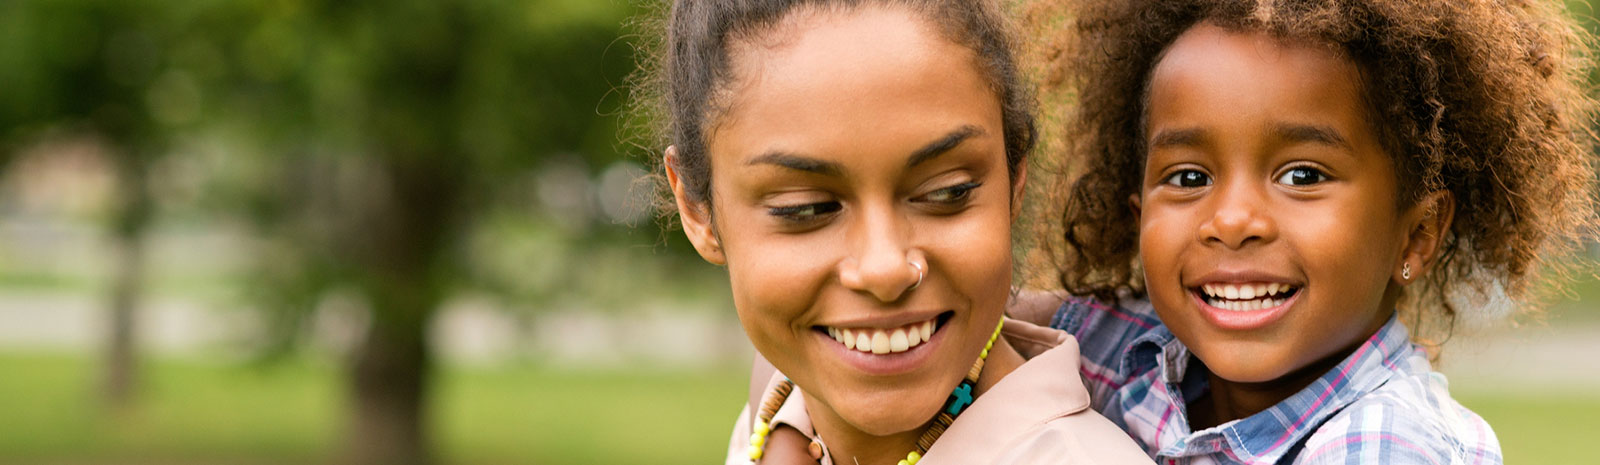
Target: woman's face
<point>856,148</point>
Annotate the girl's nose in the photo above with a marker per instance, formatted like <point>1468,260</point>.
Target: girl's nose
<point>1238,217</point>
<point>885,266</point>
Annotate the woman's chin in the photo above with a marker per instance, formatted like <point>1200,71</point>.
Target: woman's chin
<point>902,413</point>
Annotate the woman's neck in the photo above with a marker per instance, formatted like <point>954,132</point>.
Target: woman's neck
<point>850,446</point>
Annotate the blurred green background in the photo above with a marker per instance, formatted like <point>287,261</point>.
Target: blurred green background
<point>411,232</point>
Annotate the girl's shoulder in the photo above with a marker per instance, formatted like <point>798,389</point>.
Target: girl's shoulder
<point>1410,419</point>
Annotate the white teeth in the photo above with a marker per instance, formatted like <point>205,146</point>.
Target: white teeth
<point>1247,292</point>
<point>884,341</point>
<point>1230,291</point>
<point>880,342</point>
<point>897,341</point>
<point>1272,289</point>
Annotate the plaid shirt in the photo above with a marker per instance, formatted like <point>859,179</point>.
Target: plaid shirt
<point>1382,405</point>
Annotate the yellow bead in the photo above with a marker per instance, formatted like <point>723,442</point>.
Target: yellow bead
<point>762,428</point>
<point>985,354</point>
<point>755,452</point>
<point>758,440</point>
<point>913,457</point>
<point>902,462</point>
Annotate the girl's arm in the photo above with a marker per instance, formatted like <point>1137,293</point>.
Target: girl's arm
<point>1033,306</point>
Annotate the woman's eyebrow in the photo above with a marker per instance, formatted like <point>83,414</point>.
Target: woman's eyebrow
<point>807,164</point>
<point>797,162</point>
<point>943,145</point>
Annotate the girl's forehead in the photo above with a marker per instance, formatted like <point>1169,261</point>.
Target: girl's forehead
<point>1217,78</point>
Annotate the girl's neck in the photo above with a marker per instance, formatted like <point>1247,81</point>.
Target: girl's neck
<point>1225,400</point>
<point>849,445</point>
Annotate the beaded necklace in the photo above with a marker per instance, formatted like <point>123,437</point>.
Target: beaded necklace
<point>960,398</point>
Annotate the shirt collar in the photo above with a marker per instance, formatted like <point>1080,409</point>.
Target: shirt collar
<point>1268,435</point>
<point>1044,387</point>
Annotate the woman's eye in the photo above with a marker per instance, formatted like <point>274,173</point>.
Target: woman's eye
<point>803,213</point>
<point>951,195</point>
<point>1302,176</point>
<point>1188,178</point>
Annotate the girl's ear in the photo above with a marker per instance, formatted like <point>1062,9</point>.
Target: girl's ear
<point>1133,204</point>
<point>1429,221</point>
<point>694,215</point>
<point>1017,191</point>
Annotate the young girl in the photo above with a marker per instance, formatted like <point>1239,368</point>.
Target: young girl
<point>1291,184</point>
<point>856,166</point>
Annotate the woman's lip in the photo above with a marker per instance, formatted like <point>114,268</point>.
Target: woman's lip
<point>886,321</point>
<point>889,364</point>
<point>1237,320</point>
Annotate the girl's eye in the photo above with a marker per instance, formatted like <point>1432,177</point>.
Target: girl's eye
<point>1302,176</point>
<point>951,195</point>
<point>804,213</point>
<point>1188,179</point>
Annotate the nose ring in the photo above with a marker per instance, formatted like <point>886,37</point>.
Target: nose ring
<point>920,274</point>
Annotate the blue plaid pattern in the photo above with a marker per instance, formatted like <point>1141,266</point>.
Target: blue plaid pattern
<point>1383,404</point>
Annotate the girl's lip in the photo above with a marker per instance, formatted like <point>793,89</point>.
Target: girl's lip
<point>1245,320</point>
<point>889,364</point>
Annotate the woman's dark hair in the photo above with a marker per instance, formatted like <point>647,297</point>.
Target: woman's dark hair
<point>1485,99</point>
<point>676,91</point>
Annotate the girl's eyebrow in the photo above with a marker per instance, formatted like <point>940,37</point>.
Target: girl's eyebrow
<point>1325,135</point>
<point>1292,132</point>
<point>807,164</point>
<point>1177,137</point>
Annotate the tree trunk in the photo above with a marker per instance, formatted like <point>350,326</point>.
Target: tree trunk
<point>133,218</point>
<point>400,246</point>
<point>390,383</point>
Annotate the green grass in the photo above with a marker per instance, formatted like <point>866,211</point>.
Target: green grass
<point>192,412</point>
<point>1540,428</point>
<point>195,412</point>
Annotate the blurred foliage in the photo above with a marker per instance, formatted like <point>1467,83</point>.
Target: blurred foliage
<point>398,151</point>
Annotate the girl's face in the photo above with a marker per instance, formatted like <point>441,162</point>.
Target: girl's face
<point>857,147</point>
<point>1269,228</point>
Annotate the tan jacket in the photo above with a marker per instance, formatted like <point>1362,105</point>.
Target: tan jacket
<point>1037,414</point>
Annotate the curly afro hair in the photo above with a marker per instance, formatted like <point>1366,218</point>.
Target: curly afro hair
<point>1483,98</point>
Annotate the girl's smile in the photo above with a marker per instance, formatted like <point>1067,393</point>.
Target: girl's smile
<point>1244,300</point>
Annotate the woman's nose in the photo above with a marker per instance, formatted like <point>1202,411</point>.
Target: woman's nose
<point>884,266</point>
